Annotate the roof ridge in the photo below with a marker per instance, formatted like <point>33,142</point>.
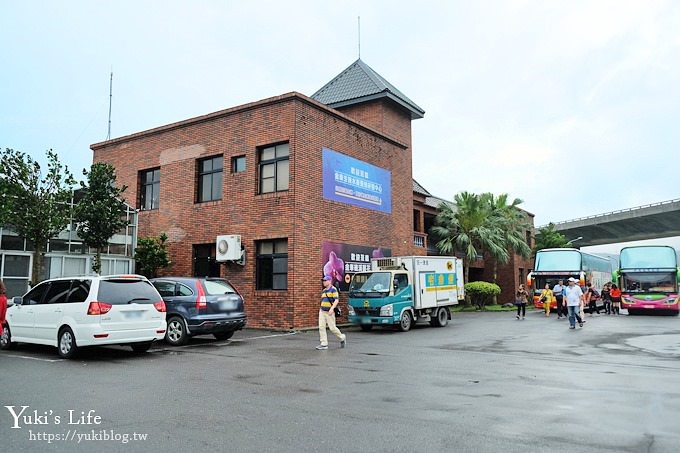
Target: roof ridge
<point>360,83</point>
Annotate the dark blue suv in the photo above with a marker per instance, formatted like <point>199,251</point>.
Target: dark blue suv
<point>199,306</point>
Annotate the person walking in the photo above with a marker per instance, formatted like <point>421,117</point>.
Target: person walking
<point>574,298</point>
<point>521,299</point>
<point>591,297</point>
<point>329,300</point>
<point>607,298</point>
<point>616,298</point>
<point>547,298</point>
<point>558,292</point>
<point>3,305</point>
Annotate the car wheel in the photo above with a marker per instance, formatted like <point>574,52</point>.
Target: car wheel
<point>66,343</point>
<point>405,321</point>
<point>141,347</point>
<point>366,327</point>
<point>224,335</point>
<point>176,334</point>
<point>6,339</point>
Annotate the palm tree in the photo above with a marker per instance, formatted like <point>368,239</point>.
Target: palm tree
<point>513,225</point>
<point>468,227</point>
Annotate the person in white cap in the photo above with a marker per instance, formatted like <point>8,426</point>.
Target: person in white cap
<point>574,296</point>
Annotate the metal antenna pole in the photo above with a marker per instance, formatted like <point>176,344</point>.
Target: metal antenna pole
<point>108,135</point>
<point>359,32</point>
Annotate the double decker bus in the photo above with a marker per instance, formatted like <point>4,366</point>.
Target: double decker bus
<point>552,265</point>
<point>648,277</point>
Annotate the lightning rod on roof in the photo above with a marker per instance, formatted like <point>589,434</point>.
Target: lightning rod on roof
<point>359,34</point>
<point>108,135</point>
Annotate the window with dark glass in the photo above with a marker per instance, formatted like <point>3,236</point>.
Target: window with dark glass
<point>58,292</point>
<point>210,178</point>
<point>205,264</point>
<point>274,165</point>
<point>272,264</point>
<point>149,192</point>
<point>80,289</point>
<point>238,164</point>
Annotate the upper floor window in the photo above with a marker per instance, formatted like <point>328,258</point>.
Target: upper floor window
<point>274,164</point>
<point>210,179</point>
<point>149,192</point>
<point>238,164</point>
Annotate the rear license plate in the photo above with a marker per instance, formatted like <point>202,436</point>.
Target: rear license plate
<point>227,305</point>
<point>132,314</point>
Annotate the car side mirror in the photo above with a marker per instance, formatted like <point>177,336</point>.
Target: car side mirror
<point>16,300</point>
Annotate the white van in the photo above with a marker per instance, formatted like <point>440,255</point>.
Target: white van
<point>74,312</point>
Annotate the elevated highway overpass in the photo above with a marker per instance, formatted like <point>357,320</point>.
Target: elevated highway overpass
<point>652,221</point>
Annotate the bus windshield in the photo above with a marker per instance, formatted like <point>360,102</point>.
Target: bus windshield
<point>649,282</point>
<point>648,257</point>
<point>558,260</point>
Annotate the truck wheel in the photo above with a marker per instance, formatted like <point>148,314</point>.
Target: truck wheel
<point>442,317</point>
<point>406,321</point>
<point>366,327</point>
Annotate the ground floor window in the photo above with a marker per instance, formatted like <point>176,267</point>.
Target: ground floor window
<point>272,264</point>
<point>14,272</point>
<point>205,264</point>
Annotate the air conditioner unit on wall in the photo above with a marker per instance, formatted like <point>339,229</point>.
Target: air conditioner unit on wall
<point>228,247</point>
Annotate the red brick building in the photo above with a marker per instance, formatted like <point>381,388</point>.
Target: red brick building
<point>257,171</point>
<point>310,184</point>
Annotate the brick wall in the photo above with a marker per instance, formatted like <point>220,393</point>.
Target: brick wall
<point>300,214</point>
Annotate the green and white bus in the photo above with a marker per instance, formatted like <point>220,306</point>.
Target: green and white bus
<point>648,276</point>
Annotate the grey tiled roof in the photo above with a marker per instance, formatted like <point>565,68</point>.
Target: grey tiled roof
<point>359,83</point>
<point>430,200</point>
<point>434,202</point>
<point>420,189</point>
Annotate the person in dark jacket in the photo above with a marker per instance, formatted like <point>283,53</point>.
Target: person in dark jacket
<point>607,298</point>
<point>521,299</point>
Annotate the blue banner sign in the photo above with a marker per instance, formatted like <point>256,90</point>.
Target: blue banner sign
<point>355,182</point>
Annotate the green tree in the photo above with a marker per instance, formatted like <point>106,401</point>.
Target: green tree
<point>100,213</point>
<point>468,227</point>
<point>513,225</point>
<point>151,254</point>
<point>35,205</point>
<point>548,238</point>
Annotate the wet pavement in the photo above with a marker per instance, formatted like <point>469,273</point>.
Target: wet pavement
<point>485,383</point>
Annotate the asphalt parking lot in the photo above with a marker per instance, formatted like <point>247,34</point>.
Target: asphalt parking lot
<point>484,383</point>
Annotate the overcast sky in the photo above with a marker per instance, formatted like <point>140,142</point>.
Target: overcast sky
<point>571,106</point>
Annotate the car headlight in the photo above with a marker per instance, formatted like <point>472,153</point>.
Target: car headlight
<point>350,311</point>
<point>387,310</point>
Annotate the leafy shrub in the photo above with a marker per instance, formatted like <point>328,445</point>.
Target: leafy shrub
<point>482,293</point>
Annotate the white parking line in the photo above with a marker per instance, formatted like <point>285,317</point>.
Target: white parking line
<point>32,358</point>
<point>267,336</point>
<point>287,334</point>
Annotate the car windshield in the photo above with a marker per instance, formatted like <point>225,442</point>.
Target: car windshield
<point>217,287</point>
<point>126,291</point>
